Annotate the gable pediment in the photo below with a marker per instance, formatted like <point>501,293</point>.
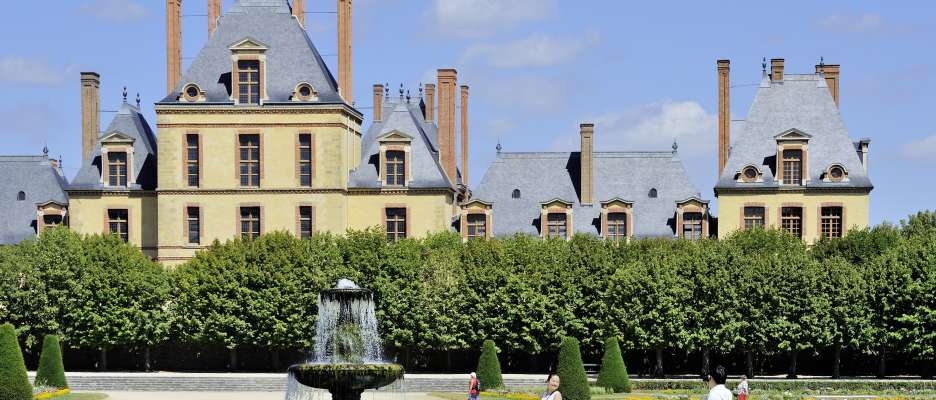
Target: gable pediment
<point>395,136</point>
<point>556,202</point>
<point>617,201</point>
<point>792,134</point>
<point>117,137</point>
<point>692,201</point>
<point>248,44</point>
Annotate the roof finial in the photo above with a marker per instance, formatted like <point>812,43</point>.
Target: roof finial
<point>138,100</point>
<point>401,92</point>
<point>407,96</point>
<point>125,95</point>
<point>386,86</point>
<point>499,147</point>
<point>675,146</point>
<point>420,90</point>
<point>763,64</point>
<point>45,150</point>
<point>822,63</point>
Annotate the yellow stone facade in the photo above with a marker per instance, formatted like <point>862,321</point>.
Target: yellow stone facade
<point>87,213</point>
<point>855,206</point>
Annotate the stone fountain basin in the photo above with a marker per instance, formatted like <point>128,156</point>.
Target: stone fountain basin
<point>346,377</point>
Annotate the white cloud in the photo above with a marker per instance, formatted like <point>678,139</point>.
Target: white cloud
<point>537,50</point>
<point>921,150</point>
<point>118,11</point>
<point>852,23</point>
<point>27,70</point>
<point>477,18</point>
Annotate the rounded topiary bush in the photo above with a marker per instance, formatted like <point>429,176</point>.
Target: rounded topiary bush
<point>489,371</point>
<point>613,375</point>
<point>51,371</point>
<point>14,384</point>
<point>573,383</point>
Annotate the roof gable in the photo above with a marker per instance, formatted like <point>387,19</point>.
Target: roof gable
<point>128,126</point>
<point>792,134</point>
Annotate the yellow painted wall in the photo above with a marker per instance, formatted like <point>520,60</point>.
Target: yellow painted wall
<point>730,206</point>
<point>87,214</point>
<point>427,213</point>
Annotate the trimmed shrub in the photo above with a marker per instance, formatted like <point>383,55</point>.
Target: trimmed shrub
<point>14,384</point>
<point>51,371</point>
<point>573,383</point>
<point>613,375</point>
<point>489,371</point>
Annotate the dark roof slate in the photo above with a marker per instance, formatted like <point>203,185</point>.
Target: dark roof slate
<point>41,183</point>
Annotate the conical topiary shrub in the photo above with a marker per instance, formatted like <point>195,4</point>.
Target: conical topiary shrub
<point>14,384</point>
<point>613,375</point>
<point>489,372</point>
<point>51,371</point>
<point>573,383</point>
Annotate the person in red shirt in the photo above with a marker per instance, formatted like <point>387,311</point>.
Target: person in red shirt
<point>474,387</point>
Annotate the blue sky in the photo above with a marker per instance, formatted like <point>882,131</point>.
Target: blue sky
<point>644,72</point>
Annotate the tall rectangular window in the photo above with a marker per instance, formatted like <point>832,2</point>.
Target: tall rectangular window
<point>248,81</point>
<point>477,225</point>
<point>395,168</point>
<point>306,219</point>
<point>305,159</point>
<point>117,168</point>
<point>617,225</point>
<point>791,220</point>
<point>556,224</point>
<point>396,224</point>
<point>754,217</point>
<point>193,224</point>
<point>831,222</point>
<point>792,167</point>
<point>191,159</point>
<point>118,223</point>
<point>692,225</point>
<point>250,222</point>
<point>249,160</point>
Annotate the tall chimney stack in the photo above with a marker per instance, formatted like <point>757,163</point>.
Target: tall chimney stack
<point>214,12</point>
<point>173,44</point>
<point>429,100</point>
<point>724,114</point>
<point>298,10</point>
<point>378,102</point>
<point>344,50</point>
<point>448,78</point>
<point>464,134</point>
<point>587,131</point>
<point>776,69</point>
<point>90,112</point>
<point>831,73</point>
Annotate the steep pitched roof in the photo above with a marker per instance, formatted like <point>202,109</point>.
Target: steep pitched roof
<point>40,182</point>
<point>128,122</point>
<point>291,57</point>
<point>800,102</point>
<point>541,177</point>
<point>407,118</point>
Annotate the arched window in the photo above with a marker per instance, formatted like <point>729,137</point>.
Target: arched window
<point>21,196</point>
<point>653,193</point>
<point>515,194</point>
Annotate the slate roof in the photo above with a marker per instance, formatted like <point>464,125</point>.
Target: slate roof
<point>129,122</point>
<point>544,176</point>
<point>39,180</point>
<point>801,102</point>
<point>407,118</point>
<point>291,57</point>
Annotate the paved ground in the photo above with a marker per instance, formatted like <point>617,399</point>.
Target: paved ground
<point>248,396</point>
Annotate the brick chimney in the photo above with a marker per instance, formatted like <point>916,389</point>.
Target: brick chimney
<point>214,12</point>
<point>464,134</point>
<point>173,44</point>
<point>831,73</point>
<point>90,112</point>
<point>378,102</point>
<point>298,11</point>
<point>429,111</point>
<point>776,69</point>
<point>724,114</point>
<point>587,132</point>
<point>344,51</point>
<point>448,78</point>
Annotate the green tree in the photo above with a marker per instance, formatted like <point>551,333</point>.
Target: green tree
<point>573,381</point>
<point>849,310</point>
<point>921,223</point>
<point>489,371</point>
<point>916,323</point>
<point>613,375</point>
<point>14,383</point>
<point>51,371</point>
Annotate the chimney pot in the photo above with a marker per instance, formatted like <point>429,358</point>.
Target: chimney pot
<point>378,102</point>
<point>464,134</point>
<point>447,79</point>
<point>344,51</point>
<point>90,112</point>
<point>831,73</point>
<point>173,44</point>
<point>776,69</point>
<point>429,99</point>
<point>724,113</point>
<point>214,12</point>
<point>587,132</point>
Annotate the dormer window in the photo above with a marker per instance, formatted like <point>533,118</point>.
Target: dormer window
<point>117,168</point>
<point>652,194</point>
<point>617,219</point>
<point>394,167</point>
<point>116,160</point>
<point>248,75</point>
<point>792,168</point>
<point>21,196</point>
<point>192,93</point>
<point>692,219</point>
<point>515,194</point>
<point>304,92</point>
<point>476,220</point>
<point>556,219</point>
<point>750,174</point>
<point>836,173</point>
<point>248,82</point>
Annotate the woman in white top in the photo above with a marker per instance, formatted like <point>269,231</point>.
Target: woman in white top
<point>743,388</point>
<point>552,388</point>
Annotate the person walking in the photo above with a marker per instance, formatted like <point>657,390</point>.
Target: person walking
<point>474,387</point>
<point>552,388</point>
<point>743,388</point>
<point>716,384</point>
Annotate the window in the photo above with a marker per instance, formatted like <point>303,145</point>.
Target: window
<point>556,225</point>
<point>248,81</point>
<point>193,222</point>
<point>50,221</point>
<point>249,160</point>
<point>749,174</point>
<point>191,159</point>
<point>515,194</point>
<point>305,159</point>
<point>692,225</point>
<point>250,222</point>
<point>395,169</point>
<point>754,217</point>
<point>477,225</point>
<point>396,224</point>
<point>117,168</point>
<point>118,223</point>
<point>831,222</point>
<point>617,225</point>
<point>836,173</point>
<point>305,222</point>
<point>21,196</point>
<point>191,92</point>
<point>792,167</point>
<point>791,220</point>
<point>653,193</point>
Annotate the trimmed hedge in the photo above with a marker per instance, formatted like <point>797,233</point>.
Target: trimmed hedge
<point>826,386</point>
<point>489,371</point>
<point>14,383</point>
<point>51,371</point>
<point>573,382</point>
<point>613,375</point>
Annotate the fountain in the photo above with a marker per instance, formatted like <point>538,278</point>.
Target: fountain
<point>348,356</point>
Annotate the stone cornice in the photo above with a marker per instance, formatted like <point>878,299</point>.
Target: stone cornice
<point>111,193</point>
<point>801,190</point>
<point>222,109</point>
<point>349,192</point>
<point>241,125</point>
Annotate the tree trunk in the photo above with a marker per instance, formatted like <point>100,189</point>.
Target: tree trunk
<point>927,369</point>
<point>102,364</point>
<point>706,362</point>
<point>147,362</point>
<point>658,368</point>
<point>882,363</point>
<point>232,361</point>
<point>836,366</point>
<point>448,360</point>
<point>794,354</point>
<point>276,360</point>
<point>750,364</point>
